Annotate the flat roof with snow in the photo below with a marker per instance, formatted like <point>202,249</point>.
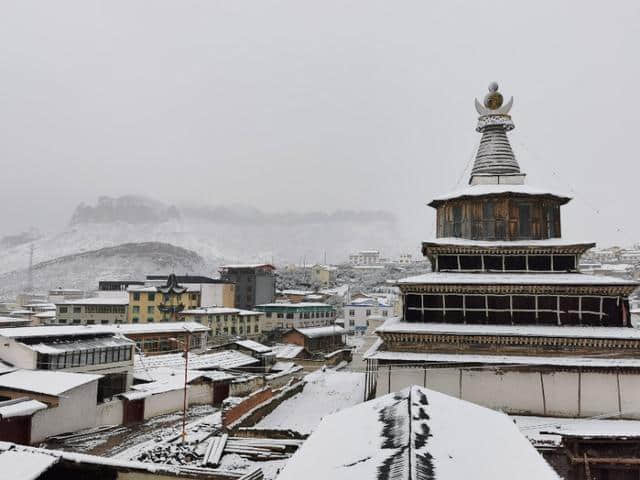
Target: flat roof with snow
<point>454,278</point>
<point>45,382</point>
<point>227,359</point>
<point>396,325</point>
<point>419,434</point>
<point>55,331</point>
<point>161,327</point>
<point>317,332</point>
<point>254,346</point>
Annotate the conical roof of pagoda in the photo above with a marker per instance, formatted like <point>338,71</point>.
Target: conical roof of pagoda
<point>496,170</point>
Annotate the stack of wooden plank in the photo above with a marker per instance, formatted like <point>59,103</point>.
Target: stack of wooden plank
<point>262,448</point>
<point>213,454</point>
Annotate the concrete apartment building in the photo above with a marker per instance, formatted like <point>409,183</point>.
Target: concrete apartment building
<point>254,284</point>
<point>297,315</point>
<point>226,322</point>
<point>149,304</point>
<point>92,311</point>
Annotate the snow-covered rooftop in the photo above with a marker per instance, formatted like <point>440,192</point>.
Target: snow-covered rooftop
<point>161,327</point>
<point>455,358</point>
<point>227,359</point>
<point>294,305</point>
<point>209,311</point>
<point>396,325</point>
<point>254,346</point>
<point>97,301</point>
<point>20,407</point>
<point>288,350</point>
<point>55,331</point>
<point>541,278</point>
<point>22,465</point>
<point>315,332</point>
<point>417,434</point>
<point>45,382</point>
<point>55,347</point>
<point>548,431</point>
<point>156,374</point>
<point>547,242</point>
<point>496,189</point>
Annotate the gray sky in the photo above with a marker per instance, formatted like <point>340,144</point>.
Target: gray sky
<point>297,105</point>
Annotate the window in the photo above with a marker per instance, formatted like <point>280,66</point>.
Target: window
<point>77,321</point>
<point>352,313</point>
<point>91,322</point>
<point>368,313</point>
<point>135,320</point>
<point>525,220</point>
<point>62,320</point>
<point>136,309</point>
<point>136,296</point>
<point>151,297</point>
<point>77,309</point>
<point>447,262</point>
<point>268,315</point>
<point>515,262</point>
<point>63,309</point>
<point>457,221</point>
<point>385,313</point>
<point>492,262</point>
<point>150,310</point>
<point>471,262</point>
<point>150,320</point>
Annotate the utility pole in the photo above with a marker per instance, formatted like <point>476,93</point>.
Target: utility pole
<point>187,343</point>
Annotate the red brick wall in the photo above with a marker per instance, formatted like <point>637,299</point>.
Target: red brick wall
<point>294,337</point>
<point>232,414</point>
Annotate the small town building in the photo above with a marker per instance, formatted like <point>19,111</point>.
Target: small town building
<point>70,398</point>
<point>149,304</point>
<point>279,316</point>
<point>290,352</point>
<point>118,285</point>
<point>254,284</point>
<point>365,257</point>
<point>358,311</point>
<point>6,322</point>
<point>91,311</point>
<point>317,339</point>
<point>417,434</point>
<point>61,294</point>
<point>213,291</point>
<point>323,275</point>
<point>85,349</point>
<point>158,338</point>
<point>225,323</point>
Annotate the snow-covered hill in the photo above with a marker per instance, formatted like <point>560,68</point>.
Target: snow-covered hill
<point>131,261</point>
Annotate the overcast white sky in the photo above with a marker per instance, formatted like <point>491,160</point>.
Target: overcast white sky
<point>297,105</point>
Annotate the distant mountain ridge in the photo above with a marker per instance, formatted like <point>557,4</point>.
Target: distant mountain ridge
<point>135,209</point>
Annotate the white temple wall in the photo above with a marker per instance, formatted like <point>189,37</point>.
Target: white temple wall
<point>560,394</point>
<point>599,394</point>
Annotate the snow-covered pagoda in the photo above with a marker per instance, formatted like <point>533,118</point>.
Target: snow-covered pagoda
<point>506,319</point>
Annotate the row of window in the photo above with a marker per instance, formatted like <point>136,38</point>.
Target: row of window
<point>506,263</point>
<point>164,344</point>
<point>81,358</point>
<point>305,315</point>
<point>240,330</point>
<point>352,313</point>
<point>96,309</point>
<point>515,309</point>
<point>151,297</point>
<point>77,321</point>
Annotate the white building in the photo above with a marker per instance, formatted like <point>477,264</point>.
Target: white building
<point>365,257</point>
<point>84,349</point>
<point>358,311</point>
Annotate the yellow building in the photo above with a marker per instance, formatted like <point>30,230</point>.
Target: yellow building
<point>161,303</point>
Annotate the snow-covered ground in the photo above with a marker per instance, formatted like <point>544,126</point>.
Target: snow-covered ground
<point>325,392</point>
